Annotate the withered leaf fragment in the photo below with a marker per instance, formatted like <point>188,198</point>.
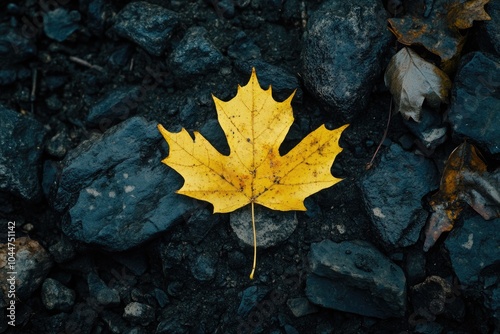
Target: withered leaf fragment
<point>439,32</point>
<point>465,180</point>
<point>464,13</point>
<point>411,80</point>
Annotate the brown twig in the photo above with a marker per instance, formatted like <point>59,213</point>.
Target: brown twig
<point>370,164</point>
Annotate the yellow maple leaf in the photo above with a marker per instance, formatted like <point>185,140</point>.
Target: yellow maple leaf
<point>254,172</point>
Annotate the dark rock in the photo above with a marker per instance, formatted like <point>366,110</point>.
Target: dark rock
<point>52,324</point>
<point>488,34</point>
<point>415,266</point>
<point>21,143</point>
<point>475,100</point>
<point>243,48</point>
<point>15,47</point>
<point>301,306</point>
<point>114,322</point>
<point>135,260</point>
<point>82,319</point>
<point>59,23</point>
<point>56,296</point>
<point>200,223</point>
<point>171,326</point>
<point>62,251</point>
<point>273,227</point>
<point>289,329</point>
<point>250,298</point>
<point>195,55</point>
<point>236,259</point>
<point>435,296</point>
<point>96,16</point>
<point>343,53</point>
<point>473,247</point>
<point>121,56</point>
<point>115,190</point>
<point>149,26</point>
<point>101,292</point>
<point>117,105</point>
<point>138,313</point>
<point>492,297</point>
<point>161,297</point>
<point>282,82</point>
<point>174,289</point>
<point>393,191</point>
<point>355,277</point>
<point>204,267</point>
<point>32,265</point>
<point>431,131</point>
<point>58,145</point>
<point>225,8</point>
<point>426,327</point>
<point>7,76</point>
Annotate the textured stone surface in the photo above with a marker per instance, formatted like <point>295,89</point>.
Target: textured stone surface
<point>393,190</point>
<point>343,52</point>
<point>272,227</point>
<point>475,100</point>
<point>355,277</point>
<point>57,297</point>
<point>473,247</point>
<point>21,146</point>
<point>115,190</point>
<point>148,25</point>
<point>32,263</point>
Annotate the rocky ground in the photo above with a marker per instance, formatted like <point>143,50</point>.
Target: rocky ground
<point>103,243</point>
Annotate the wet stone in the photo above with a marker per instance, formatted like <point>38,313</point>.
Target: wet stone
<point>101,292</point>
<point>473,247</point>
<point>195,55</point>
<point>33,263</point>
<point>115,191</point>
<point>138,313</point>
<point>56,296</point>
<point>354,276</point>
<point>343,53</point>
<point>115,106</point>
<point>301,306</point>
<point>21,147</point>
<point>272,227</point>
<point>60,23</point>
<point>250,298</point>
<point>475,100</point>
<point>204,267</point>
<point>392,192</point>
<point>149,26</point>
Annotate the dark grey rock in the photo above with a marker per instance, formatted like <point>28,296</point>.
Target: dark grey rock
<point>475,100</point>
<point>63,250</point>
<point>250,298</point>
<point>392,193</point>
<point>115,190</point>
<point>21,147</point>
<point>195,55</point>
<point>343,53</point>
<point>415,266</point>
<point>200,223</point>
<point>431,130</point>
<point>113,321</point>
<point>492,296</point>
<point>101,292</point>
<point>16,46</point>
<point>121,55</point>
<point>488,34</point>
<point>272,227</point>
<point>289,329</point>
<point>117,105</point>
<point>32,266</point>
<point>161,297</point>
<point>149,26</point>
<point>243,48</point>
<point>355,277</point>
<point>82,319</point>
<point>96,16</point>
<point>7,76</point>
<point>301,306</point>
<point>204,267</point>
<point>56,296</point>
<point>138,313</point>
<point>60,23</point>
<point>171,326</point>
<point>427,327</point>
<point>283,83</point>
<point>473,247</point>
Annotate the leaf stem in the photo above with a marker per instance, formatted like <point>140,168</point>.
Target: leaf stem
<point>254,243</point>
